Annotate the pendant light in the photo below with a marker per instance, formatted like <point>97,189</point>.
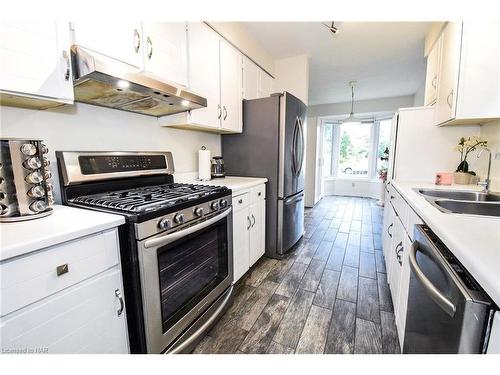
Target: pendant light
<point>351,117</point>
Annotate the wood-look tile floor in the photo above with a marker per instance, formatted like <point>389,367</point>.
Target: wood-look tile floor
<point>329,295</point>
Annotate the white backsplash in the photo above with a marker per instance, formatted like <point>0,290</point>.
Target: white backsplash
<point>89,128</point>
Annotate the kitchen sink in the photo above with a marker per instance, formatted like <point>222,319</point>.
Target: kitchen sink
<point>471,196</point>
<point>471,208</point>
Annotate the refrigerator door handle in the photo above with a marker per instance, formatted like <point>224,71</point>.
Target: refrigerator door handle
<point>298,197</point>
<point>301,132</point>
<point>294,146</point>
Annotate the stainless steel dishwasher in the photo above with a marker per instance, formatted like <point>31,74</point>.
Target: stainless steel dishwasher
<point>447,310</point>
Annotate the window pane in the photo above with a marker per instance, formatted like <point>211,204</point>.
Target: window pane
<point>327,150</point>
<point>354,147</point>
<point>383,145</point>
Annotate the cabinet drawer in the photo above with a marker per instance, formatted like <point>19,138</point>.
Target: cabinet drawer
<point>240,201</point>
<point>25,280</point>
<point>80,319</point>
<point>258,193</point>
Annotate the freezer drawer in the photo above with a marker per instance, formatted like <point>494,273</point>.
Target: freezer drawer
<point>290,221</point>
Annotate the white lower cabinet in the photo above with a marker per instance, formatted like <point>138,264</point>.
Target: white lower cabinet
<point>397,239</point>
<point>75,302</point>
<point>249,231</point>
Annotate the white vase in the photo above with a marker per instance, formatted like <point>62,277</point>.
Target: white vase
<point>461,178</point>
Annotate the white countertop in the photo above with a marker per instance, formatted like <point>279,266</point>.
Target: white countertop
<point>236,184</point>
<point>64,224</point>
<point>474,240</point>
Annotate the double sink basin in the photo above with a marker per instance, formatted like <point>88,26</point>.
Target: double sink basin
<point>463,202</point>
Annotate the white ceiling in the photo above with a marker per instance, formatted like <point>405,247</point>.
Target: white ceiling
<point>386,58</point>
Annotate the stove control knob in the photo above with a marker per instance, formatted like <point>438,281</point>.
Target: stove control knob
<point>223,203</point>
<point>179,218</point>
<point>34,178</point>
<point>28,149</point>
<point>46,162</point>
<point>36,192</point>
<point>48,175</point>
<point>3,209</point>
<point>214,206</point>
<point>32,163</point>
<point>198,211</point>
<point>164,223</point>
<point>45,149</point>
<point>38,206</point>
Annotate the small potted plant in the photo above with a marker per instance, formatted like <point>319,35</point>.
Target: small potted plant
<point>462,175</point>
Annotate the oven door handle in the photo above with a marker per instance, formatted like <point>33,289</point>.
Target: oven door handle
<point>171,237</point>
<point>431,290</point>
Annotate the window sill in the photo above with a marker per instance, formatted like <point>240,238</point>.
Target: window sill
<point>354,179</point>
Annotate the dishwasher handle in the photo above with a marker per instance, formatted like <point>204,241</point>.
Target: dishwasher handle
<point>431,290</point>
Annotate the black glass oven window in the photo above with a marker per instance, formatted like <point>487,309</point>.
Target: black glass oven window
<point>122,163</point>
<point>189,269</point>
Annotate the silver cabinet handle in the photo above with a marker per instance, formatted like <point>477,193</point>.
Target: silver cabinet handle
<point>399,249</point>
<point>449,99</point>
<point>150,47</point>
<point>253,218</point>
<point>68,71</point>
<point>431,290</point>
<point>137,41</point>
<point>300,162</point>
<point>249,223</point>
<point>389,227</point>
<point>225,112</point>
<point>434,81</point>
<point>219,112</point>
<point>120,298</point>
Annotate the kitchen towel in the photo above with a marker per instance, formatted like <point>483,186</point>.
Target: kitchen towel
<point>204,164</point>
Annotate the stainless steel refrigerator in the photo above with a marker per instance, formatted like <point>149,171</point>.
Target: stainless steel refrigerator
<point>272,145</point>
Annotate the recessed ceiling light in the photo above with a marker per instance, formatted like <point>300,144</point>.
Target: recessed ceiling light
<point>185,103</point>
<point>123,84</point>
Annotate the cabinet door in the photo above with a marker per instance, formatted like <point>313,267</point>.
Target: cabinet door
<point>231,88</point>
<point>257,230</point>
<point>432,77</point>
<point>265,84</point>
<point>251,77</point>
<point>35,59</point>
<point>448,72</point>
<point>402,303</point>
<point>122,41</point>
<point>204,73</point>
<point>387,232</point>
<point>241,242</point>
<point>80,319</point>
<point>396,260</point>
<point>165,53</point>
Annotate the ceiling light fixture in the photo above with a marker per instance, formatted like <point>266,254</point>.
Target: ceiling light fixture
<point>333,29</point>
<point>351,117</point>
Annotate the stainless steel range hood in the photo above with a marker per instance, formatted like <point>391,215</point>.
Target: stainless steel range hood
<point>106,82</point>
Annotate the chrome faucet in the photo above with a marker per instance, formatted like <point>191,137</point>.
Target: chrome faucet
<point>486,182</point>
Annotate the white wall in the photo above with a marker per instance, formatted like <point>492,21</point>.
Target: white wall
<point>292,75</point>
<point>419,97</point>
<point>353,187</point>
<point>89,128</point>
<point>491,132</point>
<point>237,34</point>
<point>362,106</point>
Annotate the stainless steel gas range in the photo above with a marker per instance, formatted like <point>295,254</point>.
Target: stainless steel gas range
<point>176,245</point>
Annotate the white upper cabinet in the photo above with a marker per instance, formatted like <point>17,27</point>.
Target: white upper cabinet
<point>469,74</point>
<point>432,76</point>
<point>265,84</point>
<point>204,75</point>
<point>251,79</point>
<point>35,62</point>
<point>165,51</point>
<point>122,41</point>
<point>231,88</point>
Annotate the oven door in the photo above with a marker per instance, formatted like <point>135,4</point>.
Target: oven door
<point>182,273</point>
